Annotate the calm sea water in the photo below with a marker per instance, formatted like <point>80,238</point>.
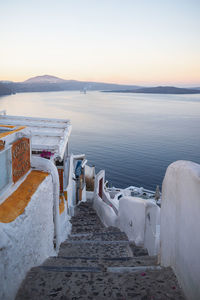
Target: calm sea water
<point>134,137</point>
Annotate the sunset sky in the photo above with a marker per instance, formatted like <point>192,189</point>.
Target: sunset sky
<point>130,41</point>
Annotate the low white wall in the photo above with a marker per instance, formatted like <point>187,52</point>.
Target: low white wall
<point>47,165</point>
<point>27,241</point>
<point>180,225</point>
<point>90,172</point>
<point>152,229</point>
<point>102,206</point>
<point>139,219</point>
<point>65,224</point>
<point>71,187</point>
<point>105,212</point>
<point>89,196</point>
<point>84,195</point>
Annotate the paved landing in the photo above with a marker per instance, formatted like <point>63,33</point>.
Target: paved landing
<point>99,263</point>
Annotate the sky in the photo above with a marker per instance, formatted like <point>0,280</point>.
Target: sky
<point>123,41</point>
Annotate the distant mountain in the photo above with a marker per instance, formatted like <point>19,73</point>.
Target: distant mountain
<point>196,88</point>
<point>158,90</point>
<point>47,83</point>
<point>4,90</point>
<point>44,79</point>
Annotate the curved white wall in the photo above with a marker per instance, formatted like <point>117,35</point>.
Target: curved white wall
<point>139,219</point>
<point>27,241</point>
<point>62,225</point>
<point>180,225</point>
<point>105,212</point>
<point>65,224</point>
<point>47,165</point>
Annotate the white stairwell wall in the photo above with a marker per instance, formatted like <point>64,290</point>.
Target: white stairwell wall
<point>180,225</point>
<point>27,241</point>
<point>30,239</point>
<point>104,211</point>
<point>140,220</point>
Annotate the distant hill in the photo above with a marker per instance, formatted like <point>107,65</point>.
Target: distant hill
<point>196,88</point>
<point>158,90</point>
<point>48,83</point>
<point>44,79</point>
<point>4,90</point>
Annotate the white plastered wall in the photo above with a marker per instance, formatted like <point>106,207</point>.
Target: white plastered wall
<point>71,187</point>
<point>65,225</point>
<point>27,241</point>
<point>139,219</point>
<point>104,211</point>
<point>180,225</point>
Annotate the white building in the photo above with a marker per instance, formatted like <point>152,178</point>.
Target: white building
<point>40,183</point>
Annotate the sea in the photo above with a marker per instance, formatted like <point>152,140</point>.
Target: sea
<point>133,137</point>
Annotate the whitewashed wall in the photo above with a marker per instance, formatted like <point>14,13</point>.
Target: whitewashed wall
<point>139,219</point>
<point>62,225</point>
<point>89,196</point>
<point>65,224</point>
<point>152,229</point>
<point>71,186</point>
<point>180,225</point>
<point>27,241</point>
<point>104,211</point>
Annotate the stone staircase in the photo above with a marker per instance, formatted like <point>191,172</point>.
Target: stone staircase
<point>99,263</point>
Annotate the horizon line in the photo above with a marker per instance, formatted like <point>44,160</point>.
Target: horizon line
<point>108,82</point>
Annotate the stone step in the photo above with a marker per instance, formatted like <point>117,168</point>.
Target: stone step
<point>89,213</point>
<point>97,233</point>
<point>133,269</point>
<point>88,223</point>
<point>92,261</point>
<point>92,258</point>
<point>43,284</point>
<point>83,229</point>
<point>91,249</point>
<point>99,263</point>
<point>69,269</point>
<point>85,269</point>
<point>80,242</point>
<point>110,235</point>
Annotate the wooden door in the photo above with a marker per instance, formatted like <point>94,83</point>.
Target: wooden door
<point>101,188</point>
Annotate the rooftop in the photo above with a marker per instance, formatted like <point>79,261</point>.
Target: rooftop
<point>6,130</point>
<point>46,134</point>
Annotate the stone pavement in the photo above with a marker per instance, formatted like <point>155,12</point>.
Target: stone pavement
<point>99,263</point>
